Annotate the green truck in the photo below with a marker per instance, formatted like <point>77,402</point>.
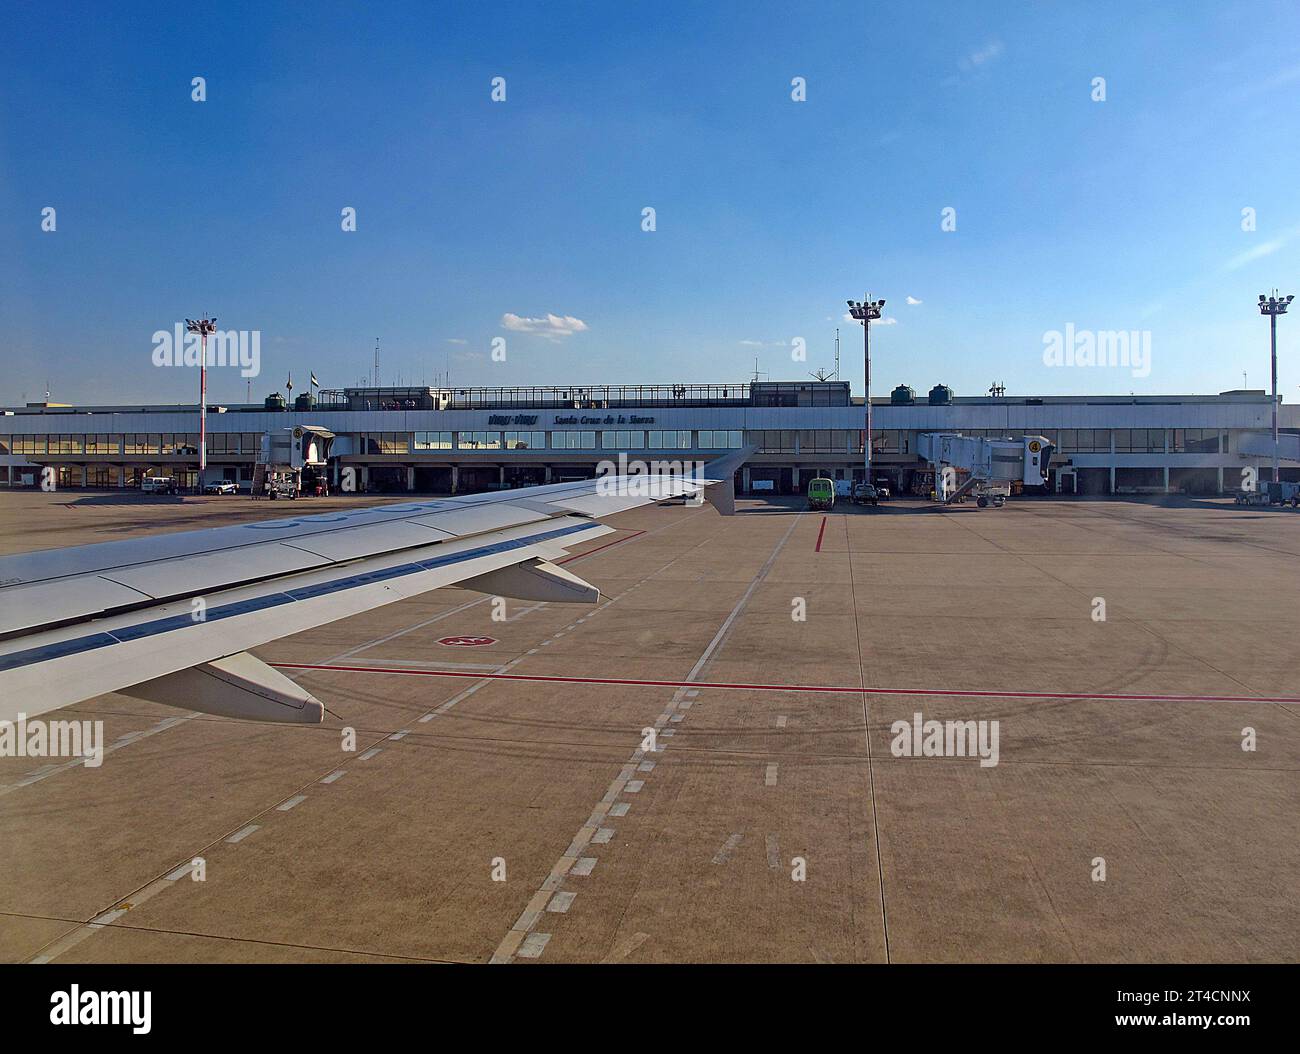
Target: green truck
<point>821,494</point>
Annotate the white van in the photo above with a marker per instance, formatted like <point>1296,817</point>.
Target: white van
<point>157,485</point>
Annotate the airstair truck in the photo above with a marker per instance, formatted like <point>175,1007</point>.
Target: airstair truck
<point>985,468</point>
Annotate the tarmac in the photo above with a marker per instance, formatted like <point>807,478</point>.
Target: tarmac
<point>708,765</point>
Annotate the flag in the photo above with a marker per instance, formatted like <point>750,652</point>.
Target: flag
<point>289,383</point>
<point>314,382</point>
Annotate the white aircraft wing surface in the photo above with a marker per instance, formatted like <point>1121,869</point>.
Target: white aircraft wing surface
<point>171,618</point>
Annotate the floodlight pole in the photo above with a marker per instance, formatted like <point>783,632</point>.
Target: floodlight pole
<point>866,311</point>
<point>1273,306</point>
<point>203,327</point>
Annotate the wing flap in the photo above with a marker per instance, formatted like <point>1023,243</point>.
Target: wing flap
<point>49,603</point>
<point>239,686</point>
<point>535,580</point>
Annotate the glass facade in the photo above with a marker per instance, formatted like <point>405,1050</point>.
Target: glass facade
<point>663,440</point>
<point>433,441</point>
<point>622,440</point>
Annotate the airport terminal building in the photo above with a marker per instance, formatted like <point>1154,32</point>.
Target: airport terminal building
<point>443,441</point>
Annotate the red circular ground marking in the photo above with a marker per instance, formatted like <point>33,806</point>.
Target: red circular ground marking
<point>467,642</point>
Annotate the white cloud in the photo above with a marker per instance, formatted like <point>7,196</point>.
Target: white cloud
<point>888,320</point>
<point>552,327</point>
<point>913,301</point>
<point>1257,253</point>
<point>981,56</point>
<point>457,340</point>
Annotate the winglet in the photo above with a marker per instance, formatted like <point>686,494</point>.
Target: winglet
<point>722,494</point>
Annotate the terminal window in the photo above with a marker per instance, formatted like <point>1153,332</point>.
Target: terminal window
<point>775,440</point>
<point>1083,440</point>
<point>833,441</point>
<point>141,443</point>
<point>525,440</point>
<point>103,443</point>
<point>573,440</point>
<point>622,440</point>
<point>65,444</point>
<point>385,443</point>
<point>478,440</point>
<point>432,440</point>
<point>669,440</point>
<point>720,439</point>
<point>1195,441</point>
<point>1140,440</point>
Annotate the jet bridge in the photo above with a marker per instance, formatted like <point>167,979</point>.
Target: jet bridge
<point>985,468</point>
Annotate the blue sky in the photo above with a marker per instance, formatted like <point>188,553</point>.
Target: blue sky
<point>471,214</point>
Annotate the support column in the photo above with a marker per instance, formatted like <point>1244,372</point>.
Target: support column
<point>548,473</point>
<point>455,478</point>
<point>410,477</point>
<point>501,477</point>
<point>1166,479</point>
<point>1112,477</point>
<point>744,479</point>
<point>364,484</point>
<point>1220,479</point>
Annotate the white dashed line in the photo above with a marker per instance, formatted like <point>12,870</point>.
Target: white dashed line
<point>335,775</point>
<point>369,754</point>
<point>561,902</point>
<point>243,833</point>
<point>533,945</point>
<point>728,847</point>
<point>771,775</point>
<point>520,940</point>
<point>297,799</point>
<point>46,771</point>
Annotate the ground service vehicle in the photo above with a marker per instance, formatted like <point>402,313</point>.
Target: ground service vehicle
<point>865,494</point>
<point>224,486</point>
<point>821,493</point>
<point>158,485</point>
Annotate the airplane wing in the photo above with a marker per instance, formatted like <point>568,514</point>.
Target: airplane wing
<point>171,618</point>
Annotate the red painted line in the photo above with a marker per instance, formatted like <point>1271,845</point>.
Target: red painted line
<point>819,536</point>
<point>815,688</point>
<point>592,552</point>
